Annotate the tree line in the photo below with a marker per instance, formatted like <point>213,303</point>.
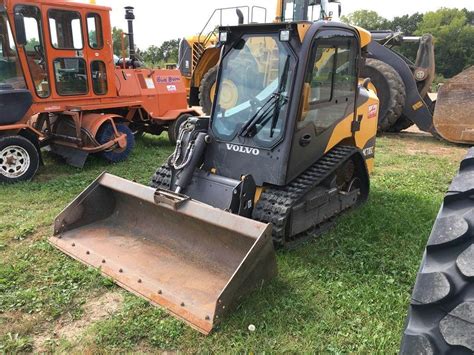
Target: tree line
<point>453,31</point>
<point>167,52</point>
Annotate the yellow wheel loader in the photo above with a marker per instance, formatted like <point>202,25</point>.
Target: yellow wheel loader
<point>289,146</point>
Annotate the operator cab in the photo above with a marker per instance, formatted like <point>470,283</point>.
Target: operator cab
<point>310,10</point>
<point>265,107</point>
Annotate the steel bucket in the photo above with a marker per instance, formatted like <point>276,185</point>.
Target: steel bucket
<point>192,259</point>
<point>454,111</point>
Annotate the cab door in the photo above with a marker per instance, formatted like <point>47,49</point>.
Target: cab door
<point>67,57</point>
<point>329,97</point>
<point>99,52</point>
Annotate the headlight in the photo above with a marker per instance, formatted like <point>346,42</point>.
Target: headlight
<point>223,36</point>
<point>284,35</point>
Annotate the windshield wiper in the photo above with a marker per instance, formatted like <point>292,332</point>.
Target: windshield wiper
<point>282,100</point>
<point>258,117</point>
<point>271,108</point>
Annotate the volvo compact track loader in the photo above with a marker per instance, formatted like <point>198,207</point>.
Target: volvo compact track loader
<point>288,147</point>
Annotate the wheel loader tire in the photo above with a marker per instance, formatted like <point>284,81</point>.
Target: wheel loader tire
<point>205,89</point>
<point>441,313</point>
<point>173,130</point>
<point>19,159</point>
<point>390,90</point>
<point>402,124</point>
<point>106,133</point>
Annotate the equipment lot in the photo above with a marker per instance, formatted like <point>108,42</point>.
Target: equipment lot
<point>345,292</point>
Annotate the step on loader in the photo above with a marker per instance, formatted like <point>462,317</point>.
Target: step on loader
<point>289,146</point>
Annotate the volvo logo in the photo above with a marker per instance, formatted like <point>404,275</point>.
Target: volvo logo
<point>241,149</point>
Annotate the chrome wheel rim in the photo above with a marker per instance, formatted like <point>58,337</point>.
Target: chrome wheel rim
<point>14,161</point>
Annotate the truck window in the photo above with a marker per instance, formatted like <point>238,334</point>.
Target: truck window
<point>71,76</point>
<point>11,73</point>
<point>99,77</point>
<point>94,31</point>
<point>66,29</point>
<point>34,49</point>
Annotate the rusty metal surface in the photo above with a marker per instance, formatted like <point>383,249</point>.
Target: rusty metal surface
<point>194,260</point>
<point>454,113</point>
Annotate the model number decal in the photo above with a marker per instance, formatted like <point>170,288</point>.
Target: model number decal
<point>241,149</point>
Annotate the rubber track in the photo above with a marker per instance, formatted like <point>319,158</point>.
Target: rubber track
<point>275,203</point>
<point>441,313</point>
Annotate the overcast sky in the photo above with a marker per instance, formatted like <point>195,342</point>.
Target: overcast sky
<point>160,20</point>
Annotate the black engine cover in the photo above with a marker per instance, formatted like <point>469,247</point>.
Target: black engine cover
<point>14,103</point>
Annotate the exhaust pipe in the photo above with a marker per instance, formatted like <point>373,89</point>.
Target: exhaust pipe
<point>130,16</point>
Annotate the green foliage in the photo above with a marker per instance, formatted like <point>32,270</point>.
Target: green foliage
<point>367,19</point>
<point>453,30</point>
<point>117,42</point>
<point>166,53</point>
<point>454,39</point>
<point>14,343</point>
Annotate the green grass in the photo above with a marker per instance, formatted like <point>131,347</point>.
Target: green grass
<point>347,291</point>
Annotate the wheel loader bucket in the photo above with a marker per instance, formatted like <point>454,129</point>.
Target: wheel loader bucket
<point>192,259</point>
<point>454,112</point>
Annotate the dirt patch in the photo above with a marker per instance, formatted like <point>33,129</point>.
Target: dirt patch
<point>17,322</point>
<point>70,330</point>
<point>416,142</point>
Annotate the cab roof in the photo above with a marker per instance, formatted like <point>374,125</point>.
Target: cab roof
<point>73,4</point>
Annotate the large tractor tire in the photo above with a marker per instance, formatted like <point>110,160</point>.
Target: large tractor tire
<point>106,134</point>
<point>207,89</point>
<point>19,159</point>
<point>390,90</point>
<point>441,313</point>
<point>402,124</point>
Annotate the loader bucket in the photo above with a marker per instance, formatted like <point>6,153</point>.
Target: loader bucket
<point>454,112</point>
<point>192,259</point>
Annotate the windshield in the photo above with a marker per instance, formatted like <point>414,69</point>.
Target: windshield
<point>252,92</point>
<point>10,68</point>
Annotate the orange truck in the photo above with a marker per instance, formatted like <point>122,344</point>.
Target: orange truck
<point>61,88</point>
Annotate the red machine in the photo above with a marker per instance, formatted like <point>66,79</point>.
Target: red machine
<point>60,87</point>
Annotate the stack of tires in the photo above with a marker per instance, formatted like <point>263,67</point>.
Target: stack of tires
<point>392,95</point>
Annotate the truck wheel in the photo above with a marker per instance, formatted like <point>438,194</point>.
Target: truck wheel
<point>390,90</point>
<point>173,130</point>
<point>207,90</point>
<point>441,313</point>
<point>106,134</point>
<point>19,159</point>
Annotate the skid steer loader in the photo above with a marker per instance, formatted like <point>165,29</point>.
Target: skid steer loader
<point>288,147</point>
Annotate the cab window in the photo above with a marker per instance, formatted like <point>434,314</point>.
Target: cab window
<point>71,76</point>
<point>99,77</point>
<point>34,48</point>
<point>94,31</point>
<point>66,29</point>
<point>11,73</point>
<point>332,82</point>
